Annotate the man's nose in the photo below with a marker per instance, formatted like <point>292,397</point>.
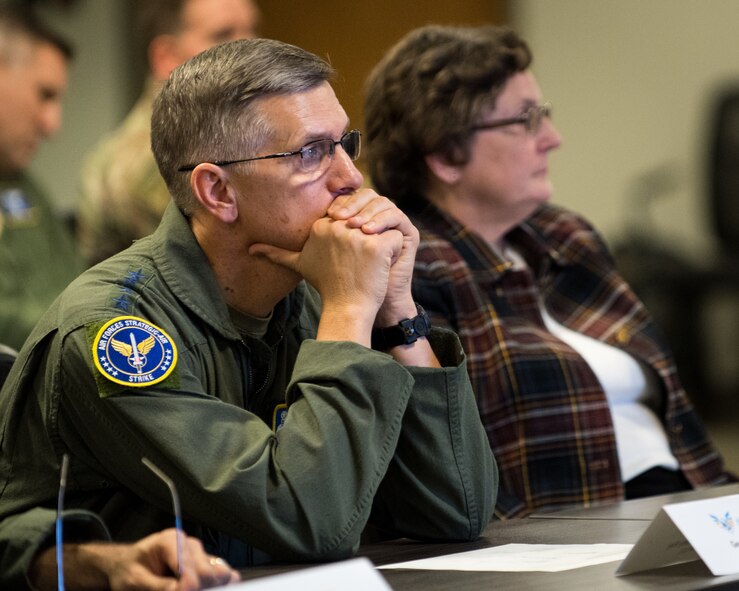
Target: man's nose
<point>345,176</point>
<point>50,118</point>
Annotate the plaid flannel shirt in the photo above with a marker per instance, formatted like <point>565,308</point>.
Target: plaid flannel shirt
<point>546,414</point>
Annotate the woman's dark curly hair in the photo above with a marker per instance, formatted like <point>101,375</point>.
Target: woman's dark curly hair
<point>424,96</point>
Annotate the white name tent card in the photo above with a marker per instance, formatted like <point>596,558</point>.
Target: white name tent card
<point>357,574</point>
<point>706,530</point>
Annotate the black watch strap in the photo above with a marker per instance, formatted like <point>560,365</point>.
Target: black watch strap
<point>404,333</point>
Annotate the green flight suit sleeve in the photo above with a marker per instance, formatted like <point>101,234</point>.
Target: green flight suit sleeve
<point>442,482</point>
<point>303,493</point>
<point>24,535</point>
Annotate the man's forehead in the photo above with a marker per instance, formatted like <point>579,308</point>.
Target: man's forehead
<point>312,114</point>
<point>16,51</point>
<point>47,61</point>
<point>211,16</point>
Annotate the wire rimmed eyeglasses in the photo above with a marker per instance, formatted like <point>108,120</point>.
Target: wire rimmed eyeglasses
<point>531,120</point>
<point>314,156</point>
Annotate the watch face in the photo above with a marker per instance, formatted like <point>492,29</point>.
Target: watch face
<point>404,333</point>
<point>420,325</point>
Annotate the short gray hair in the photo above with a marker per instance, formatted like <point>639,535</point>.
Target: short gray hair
<point>208,108</point>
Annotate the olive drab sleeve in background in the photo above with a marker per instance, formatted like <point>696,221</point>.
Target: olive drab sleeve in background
<point>37,258</point>
<point>23,535</point>
<point>359,426</point>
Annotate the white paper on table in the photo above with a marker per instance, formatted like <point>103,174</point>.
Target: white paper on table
<point>522,558</point>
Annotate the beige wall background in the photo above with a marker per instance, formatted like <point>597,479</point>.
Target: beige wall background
<point>632,83</point>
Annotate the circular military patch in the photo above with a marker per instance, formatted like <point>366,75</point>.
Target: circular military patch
<point>130,351</point>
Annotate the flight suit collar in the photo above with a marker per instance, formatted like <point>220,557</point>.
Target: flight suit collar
<point>188,274</point>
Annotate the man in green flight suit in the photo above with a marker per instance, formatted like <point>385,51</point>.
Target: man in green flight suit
<point>261,347</point>
<point>37,257</point>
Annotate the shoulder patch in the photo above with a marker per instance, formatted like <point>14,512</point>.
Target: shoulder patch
<point>131,351</point>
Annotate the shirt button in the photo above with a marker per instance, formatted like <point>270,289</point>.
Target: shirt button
<point>623,336</point>
<point>677,428</point>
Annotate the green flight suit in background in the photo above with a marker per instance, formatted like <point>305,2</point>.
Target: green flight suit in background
<point>37,258</point>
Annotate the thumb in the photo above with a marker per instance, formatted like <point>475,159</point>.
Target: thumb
<point>280,256</point>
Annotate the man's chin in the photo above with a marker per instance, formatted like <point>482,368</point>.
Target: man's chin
<point>18,165</point>
<point>10,172</point>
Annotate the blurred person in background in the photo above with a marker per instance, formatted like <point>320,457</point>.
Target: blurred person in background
<point>123,195</point>
<point>575,385</point>
<point>37,255</point>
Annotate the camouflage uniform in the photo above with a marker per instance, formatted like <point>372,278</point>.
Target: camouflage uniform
<point>123,195</point>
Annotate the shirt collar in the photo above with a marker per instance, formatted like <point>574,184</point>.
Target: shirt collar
<point>543,235</point>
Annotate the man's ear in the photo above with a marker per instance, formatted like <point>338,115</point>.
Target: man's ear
<point>164,56</point>
<point>215,191</point>
<point>442,169</point>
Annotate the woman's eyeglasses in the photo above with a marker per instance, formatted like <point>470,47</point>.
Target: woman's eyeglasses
<point>531,120</point>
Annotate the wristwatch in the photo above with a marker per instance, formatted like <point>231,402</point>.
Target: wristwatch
<point>404,333</point>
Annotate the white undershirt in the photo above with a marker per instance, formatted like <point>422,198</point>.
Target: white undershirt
<point>630,387</point>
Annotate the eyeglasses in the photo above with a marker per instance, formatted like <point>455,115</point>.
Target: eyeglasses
<point>175,507</point>
<point>314,156</point>
<point>59,523</point>
<point>531,120</point>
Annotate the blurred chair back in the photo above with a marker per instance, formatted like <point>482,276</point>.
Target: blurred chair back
<point>723,170</point>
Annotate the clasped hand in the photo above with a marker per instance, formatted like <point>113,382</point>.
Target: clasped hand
<point>359,257</point>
